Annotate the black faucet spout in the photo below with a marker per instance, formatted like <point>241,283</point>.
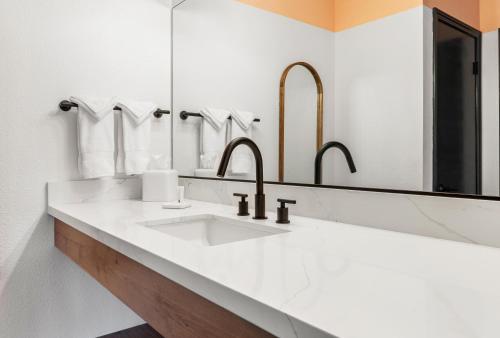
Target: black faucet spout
<point>260,199</point>
<point>318,171</point>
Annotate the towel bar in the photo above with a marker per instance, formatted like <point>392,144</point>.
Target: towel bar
<point>184,115</point>
<point>67,105</point>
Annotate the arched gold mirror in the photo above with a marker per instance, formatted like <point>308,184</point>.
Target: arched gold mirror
<point>319,113</point>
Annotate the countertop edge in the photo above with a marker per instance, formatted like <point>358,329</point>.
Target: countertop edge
<point>266,317</point>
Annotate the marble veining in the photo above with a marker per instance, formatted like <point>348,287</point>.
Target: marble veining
<point>321,279</point>
<point>463,220</point>
<point>441,224</point>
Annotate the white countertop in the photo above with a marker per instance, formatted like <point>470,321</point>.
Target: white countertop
<point>322,278</point>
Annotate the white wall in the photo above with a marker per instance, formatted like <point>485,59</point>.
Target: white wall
<point>378,99</point>
<point>230,55</point>
<point>428,117</point>
<point>49,51</point>
<point>490,112</point>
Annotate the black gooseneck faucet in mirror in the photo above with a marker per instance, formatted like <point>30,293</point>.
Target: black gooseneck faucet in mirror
<point>260,198</point>
<point>318,171</point>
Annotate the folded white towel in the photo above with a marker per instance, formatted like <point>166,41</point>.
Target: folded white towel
<point>134,136</point>
<point>244,119</point>
<point>96,139</point>
<point>213,136</point>
<point>241,126</point>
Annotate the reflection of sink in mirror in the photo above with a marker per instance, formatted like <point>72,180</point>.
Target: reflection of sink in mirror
<point>210,230</point>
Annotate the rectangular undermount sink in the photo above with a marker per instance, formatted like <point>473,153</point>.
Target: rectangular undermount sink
<point>211,230</point>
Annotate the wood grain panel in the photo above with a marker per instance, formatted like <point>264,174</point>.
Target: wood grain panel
<point>171,309</point>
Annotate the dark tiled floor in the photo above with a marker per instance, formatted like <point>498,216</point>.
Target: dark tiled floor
<point>141,331</point>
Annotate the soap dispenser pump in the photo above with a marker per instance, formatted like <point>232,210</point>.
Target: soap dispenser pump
<point>283,211</point>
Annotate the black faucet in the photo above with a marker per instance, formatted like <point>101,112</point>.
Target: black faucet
<point>260,198</point>
<point>318,171</point>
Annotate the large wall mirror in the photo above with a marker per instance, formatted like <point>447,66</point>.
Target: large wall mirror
<point>385,94</point>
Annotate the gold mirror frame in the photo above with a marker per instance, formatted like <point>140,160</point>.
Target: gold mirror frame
<point>319,114</point>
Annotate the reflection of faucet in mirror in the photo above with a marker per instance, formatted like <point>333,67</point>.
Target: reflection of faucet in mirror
<point>260,198</point>
<point>318,172</point>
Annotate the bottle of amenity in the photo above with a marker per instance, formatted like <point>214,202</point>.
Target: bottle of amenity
<point>160,186</point>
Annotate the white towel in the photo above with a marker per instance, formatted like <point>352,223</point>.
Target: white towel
<point>241,126</point>
<point>134,136</point>
<point>213,136</point>
<point>96,139</point>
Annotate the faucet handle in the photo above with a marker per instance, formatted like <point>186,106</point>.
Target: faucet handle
<point>243,196</point>
<point>283,210</point>
<point>242,204</point>
<point>285,201</point>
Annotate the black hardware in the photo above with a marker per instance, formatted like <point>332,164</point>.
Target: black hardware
<point>67,105</point>
<point>184,116</point>
<point>475,68</point>
<point>442,188</point>
<point>318,171</point>
<point>351,188</point>
<point>242,205</point>
<point>283,211</point>
<point>260,198</point>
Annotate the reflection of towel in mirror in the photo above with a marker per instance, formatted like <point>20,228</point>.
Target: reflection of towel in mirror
<point>96,139</point>
<point>134,136</point>
<point>241,126</point>
<point>213,136</point>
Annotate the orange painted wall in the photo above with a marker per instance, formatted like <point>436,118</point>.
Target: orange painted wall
<point>315,12</point>
<point>350,13</point>
<point>335,15</point>
<point>490,15</point>
<point>338,15</point>
<point>480,14</point>
<point>464,10</point>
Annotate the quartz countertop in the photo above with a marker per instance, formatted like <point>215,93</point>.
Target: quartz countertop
<point>320,279</point>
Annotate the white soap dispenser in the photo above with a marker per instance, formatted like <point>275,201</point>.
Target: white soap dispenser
<point>160,186</point>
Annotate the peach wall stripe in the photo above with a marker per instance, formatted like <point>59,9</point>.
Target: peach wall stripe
<point>464,10</point>
<point>315,12</point>
<point>339,15</point>
<point>350,13</point>
<point>490,15</point>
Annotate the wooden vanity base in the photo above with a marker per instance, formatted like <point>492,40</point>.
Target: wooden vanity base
<point>168,307</point>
